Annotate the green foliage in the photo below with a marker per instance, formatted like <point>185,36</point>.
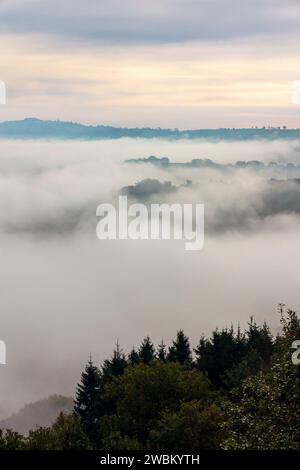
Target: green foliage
<point>264,414</point>
<point>193,426</point>
<point>65,434</point>
<point>264,411</point>
<point>10,440</point>
<point>249,365</point>
<point>112,438</point>
<point>69,433</point>
<point>41,438</point>
<point>117,442</point>
<point>290,324</point>
<point>145,391</point>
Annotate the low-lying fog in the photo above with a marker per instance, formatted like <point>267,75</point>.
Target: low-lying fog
<point>65,294</point>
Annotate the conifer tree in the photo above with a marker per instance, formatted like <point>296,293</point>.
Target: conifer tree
<point>87,402</point>
<point>161,352</point>
<point>180,351</point>
<point>259,338</point>
<point>133,357</point>
<point>146,351</point>
<point>217,355</point>
<point>114,366</point>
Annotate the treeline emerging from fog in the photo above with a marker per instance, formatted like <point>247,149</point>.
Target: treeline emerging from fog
<point>235,390</point>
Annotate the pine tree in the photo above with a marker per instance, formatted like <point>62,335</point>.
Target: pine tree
<point>217,355</point>
<point>114,366</point>
<point>146,351</point>
<point>180,351</point>
<point>161,352</point>
<point>259,338</point>
<point>133,357</point>
<point>87,402</point>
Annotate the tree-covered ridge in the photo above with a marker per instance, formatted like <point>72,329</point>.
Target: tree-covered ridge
<point>235,390</point>
<point>42,413</point>
<point>289,168</point>
<point>32,128</point>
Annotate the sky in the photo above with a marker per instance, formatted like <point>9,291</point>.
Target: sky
<point>164,63</point>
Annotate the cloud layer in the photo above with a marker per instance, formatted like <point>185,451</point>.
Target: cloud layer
<point>186,64</point>
<point>140,21</point>
<point>55,190</point>
<point>65,294</point>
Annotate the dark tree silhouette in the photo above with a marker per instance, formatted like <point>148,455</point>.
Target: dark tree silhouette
<point>146,351</point>
<point>219,354</point>
<point>87,403</point>
<point>180,350</point>
<point>133,357</point>
<point>259,338</point>
<point>114,366</point>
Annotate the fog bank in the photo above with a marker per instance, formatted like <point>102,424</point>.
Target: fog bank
<point>65,294</point>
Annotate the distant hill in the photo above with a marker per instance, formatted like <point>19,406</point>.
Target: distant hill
<point>32,128</point>
<point>258,166</point>
<point>40,413</point>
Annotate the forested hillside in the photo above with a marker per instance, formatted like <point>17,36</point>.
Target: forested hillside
<point>41,413</point>
<point>235,390</point>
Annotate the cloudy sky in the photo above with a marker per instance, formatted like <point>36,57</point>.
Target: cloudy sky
<point>177,63</point>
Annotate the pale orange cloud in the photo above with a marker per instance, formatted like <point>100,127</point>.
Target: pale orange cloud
<point>162,85</point>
